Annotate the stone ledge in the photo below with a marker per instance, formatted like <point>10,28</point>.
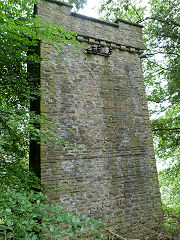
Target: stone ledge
<point>105,43</point>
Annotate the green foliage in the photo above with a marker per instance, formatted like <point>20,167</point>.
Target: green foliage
<point>77,3</point>
<point>166,132</point>
<point>124,9</point>
<point>29,214</point>
<point>19,32</point>
<point>163,44</point>
<point>164,80</point>
<point>169,182</point>
<point>25,212</point>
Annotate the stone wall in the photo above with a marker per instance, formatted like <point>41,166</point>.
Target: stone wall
<point>101,101</point>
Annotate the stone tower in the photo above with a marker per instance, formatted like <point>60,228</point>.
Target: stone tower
<point>100,95</point>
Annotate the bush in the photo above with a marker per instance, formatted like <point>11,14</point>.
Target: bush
<point>26,213</point>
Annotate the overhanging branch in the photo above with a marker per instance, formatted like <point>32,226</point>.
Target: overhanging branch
<point>165,129</point>
<point>169,22</point>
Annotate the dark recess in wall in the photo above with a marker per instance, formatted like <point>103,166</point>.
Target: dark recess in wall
<point>34,154</point>
<point>34,73</point>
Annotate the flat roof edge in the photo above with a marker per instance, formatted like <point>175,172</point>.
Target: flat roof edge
<point>60,3</point>
<point>128,22</point>
<point>94,19</point>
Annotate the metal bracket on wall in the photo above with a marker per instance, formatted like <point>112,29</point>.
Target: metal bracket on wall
<point>99,50</point>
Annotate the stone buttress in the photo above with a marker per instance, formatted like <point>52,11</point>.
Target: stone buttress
<point>100,101</point>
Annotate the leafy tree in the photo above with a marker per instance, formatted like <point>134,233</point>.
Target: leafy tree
<point>19,32</point>
<point>124,9</point>
<point>25,212</point>
<point>31,215</point>
<point>162,75</point>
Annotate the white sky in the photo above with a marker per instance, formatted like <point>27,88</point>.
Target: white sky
<point>91,8</point>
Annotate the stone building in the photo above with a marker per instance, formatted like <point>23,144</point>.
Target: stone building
<point>97,93</point>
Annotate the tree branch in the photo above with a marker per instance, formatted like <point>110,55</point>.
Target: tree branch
<point>165,129</point>
<point>146,55</point>
<point>155,74</point>
<point>169,22</point>
<point>140,19</point>
<point>157,52</point>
